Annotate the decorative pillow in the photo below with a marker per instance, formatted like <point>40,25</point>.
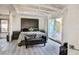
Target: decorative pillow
<point>25,29</point>
<point>30,29</point>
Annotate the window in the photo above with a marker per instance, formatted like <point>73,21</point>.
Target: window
<point>4,25</point>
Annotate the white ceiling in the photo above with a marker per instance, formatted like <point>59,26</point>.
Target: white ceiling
<point>42,9</point>
<point>45,7</point>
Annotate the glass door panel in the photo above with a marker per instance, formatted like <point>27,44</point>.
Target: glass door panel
<point>55,29</point>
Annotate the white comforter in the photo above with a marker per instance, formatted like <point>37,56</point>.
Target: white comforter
<point>22,34</point>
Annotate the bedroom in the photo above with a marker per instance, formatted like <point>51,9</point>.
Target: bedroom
<point>17,15</point>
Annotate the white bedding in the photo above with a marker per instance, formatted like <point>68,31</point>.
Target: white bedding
<point>22,34</point>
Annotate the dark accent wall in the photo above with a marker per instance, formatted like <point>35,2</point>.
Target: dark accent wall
<point>27,23</point>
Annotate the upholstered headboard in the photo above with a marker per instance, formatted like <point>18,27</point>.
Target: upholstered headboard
<point>27,23</point>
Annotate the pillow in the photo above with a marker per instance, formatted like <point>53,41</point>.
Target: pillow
<point>25,29</point>
<point>30,29</point>
<point>35,29</point>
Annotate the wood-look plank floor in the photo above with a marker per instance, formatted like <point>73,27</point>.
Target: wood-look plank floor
<point>12,48</point>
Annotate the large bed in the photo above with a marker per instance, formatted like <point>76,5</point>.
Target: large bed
<point>23,34</point>
<point>36,37</point>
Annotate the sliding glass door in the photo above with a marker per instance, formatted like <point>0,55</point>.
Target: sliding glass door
<point>55,29</point>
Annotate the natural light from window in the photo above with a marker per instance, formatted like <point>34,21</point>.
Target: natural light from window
<point>4,26</point>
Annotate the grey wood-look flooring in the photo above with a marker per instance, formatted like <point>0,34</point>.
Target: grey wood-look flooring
<point>12,48</point>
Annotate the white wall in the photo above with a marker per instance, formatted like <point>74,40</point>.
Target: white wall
<point>71,27</point>
<point>16,23</point>
<point>10,25</point>
<point>43,24</point>
<point>4,17</point>
<point>64,25</point>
